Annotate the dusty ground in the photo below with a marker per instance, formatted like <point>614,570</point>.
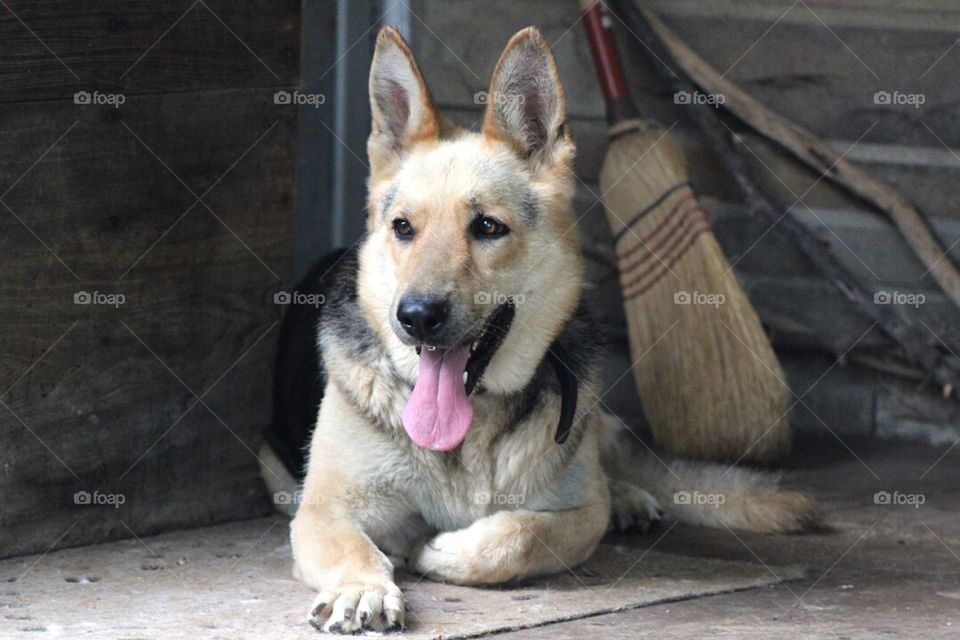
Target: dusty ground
<point>887,570</point>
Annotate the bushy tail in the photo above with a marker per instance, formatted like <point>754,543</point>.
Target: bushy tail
<point>283,487</point>
<point>709,494</point>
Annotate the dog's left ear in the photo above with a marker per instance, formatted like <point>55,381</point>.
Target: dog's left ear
<point>525,104</point>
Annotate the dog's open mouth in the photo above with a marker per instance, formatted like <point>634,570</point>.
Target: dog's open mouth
<point>438,413</point>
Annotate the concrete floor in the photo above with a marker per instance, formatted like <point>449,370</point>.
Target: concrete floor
<point>885,570</point>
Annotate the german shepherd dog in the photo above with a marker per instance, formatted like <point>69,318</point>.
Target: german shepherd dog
<point>458,430</point>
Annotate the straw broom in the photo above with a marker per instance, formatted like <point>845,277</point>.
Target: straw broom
<point>710,383</point>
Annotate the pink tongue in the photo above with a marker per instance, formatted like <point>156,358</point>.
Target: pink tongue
<point>438,414</point>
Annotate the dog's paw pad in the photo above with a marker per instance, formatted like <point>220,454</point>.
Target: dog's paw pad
<point>354,608</point>
<point>633,509</point>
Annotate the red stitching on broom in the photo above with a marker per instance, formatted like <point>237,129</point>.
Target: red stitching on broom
<point>682,251</point>
<point>681,222</point>
<point>666,220</point>
<point>668,256</point>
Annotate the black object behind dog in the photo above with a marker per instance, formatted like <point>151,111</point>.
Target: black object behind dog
<point>298,375</point>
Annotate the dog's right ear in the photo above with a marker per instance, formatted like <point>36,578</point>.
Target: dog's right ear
<point>403,112</point>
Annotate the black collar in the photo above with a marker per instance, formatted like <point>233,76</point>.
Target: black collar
<point>556,356</point>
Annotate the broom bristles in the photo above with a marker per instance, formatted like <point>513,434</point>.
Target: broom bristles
<point>710,383</point>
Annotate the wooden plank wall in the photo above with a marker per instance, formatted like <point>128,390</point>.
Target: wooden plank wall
<point>819,63</point>
<point>179,199</point>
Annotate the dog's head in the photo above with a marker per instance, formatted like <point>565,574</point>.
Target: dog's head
<point>471,265</point>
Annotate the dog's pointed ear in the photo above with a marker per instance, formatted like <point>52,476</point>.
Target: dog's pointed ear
<point>403,112</point>
<point>525,103</point>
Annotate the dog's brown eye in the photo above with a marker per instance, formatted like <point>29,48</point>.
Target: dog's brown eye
<point>485,227</point>
<point>402,229</point>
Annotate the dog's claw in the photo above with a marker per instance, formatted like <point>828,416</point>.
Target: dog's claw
<point>377,607</point>
<point>393,608</point>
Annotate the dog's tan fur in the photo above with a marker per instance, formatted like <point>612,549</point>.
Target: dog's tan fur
<point>371,494</point>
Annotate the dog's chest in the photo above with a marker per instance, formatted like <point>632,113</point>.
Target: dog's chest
<point>495,469</point>
<point>450,495</point>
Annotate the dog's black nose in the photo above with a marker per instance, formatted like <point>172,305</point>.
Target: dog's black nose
<point>422,316</point>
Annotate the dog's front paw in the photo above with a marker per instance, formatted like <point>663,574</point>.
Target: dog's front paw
<point>633,508</point>
<point>354,607</point>
<point>438,557</point>
<point>460,556</point>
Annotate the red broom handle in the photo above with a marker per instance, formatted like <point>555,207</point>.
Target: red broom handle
<point>620,105</point>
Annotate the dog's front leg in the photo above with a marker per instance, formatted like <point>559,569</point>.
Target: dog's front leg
<point>353,577</point>
<point>514,544</point>
<point>332,550</point>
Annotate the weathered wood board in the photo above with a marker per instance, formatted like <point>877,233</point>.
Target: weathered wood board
<point>141,244</point>
<point>817,63</point>
<point>146,47</point>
